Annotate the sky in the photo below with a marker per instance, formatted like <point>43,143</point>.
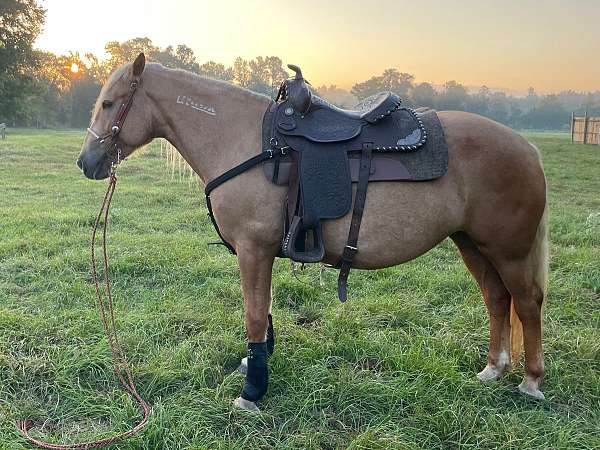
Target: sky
<point>551,45</point>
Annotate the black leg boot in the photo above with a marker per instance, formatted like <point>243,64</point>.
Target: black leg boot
<point>257,378</point>
<point>243,368</point>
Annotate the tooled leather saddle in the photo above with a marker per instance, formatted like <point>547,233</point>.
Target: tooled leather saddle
<point>327,149</point>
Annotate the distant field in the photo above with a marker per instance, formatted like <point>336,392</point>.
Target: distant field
<point>394,367</point>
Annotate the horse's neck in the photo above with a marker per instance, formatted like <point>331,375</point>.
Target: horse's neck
<point>213,125</point>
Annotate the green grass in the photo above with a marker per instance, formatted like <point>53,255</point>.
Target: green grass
<point>394,367</point>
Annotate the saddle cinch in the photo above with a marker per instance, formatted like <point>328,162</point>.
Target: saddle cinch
<point>326,148</point>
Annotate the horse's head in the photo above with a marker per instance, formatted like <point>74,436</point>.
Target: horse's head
<point>121,121</point>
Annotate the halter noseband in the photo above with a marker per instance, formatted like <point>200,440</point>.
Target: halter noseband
<point>110,140</point>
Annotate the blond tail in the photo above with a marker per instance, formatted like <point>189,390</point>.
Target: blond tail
<point>540,263</point>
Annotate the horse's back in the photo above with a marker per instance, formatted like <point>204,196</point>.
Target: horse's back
<point>493,173</point>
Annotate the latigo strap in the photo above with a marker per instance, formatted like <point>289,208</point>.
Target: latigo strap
<point>351,247</point>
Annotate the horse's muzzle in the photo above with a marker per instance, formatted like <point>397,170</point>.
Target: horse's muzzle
<point>99,169</point>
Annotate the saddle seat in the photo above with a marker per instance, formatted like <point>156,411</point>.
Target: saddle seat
<point>316,119</point>
<point>372,109</point>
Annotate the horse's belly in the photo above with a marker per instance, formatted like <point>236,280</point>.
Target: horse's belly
<point>401,221</point>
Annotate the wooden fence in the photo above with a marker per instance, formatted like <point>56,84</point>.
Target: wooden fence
<point>585,129</point>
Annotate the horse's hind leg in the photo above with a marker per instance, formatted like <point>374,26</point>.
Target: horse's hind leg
<point>528,295</point>
<point>497,300</point>
<point>522,264</point>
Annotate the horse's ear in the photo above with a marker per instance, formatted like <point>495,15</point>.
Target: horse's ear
<point>139,64</point>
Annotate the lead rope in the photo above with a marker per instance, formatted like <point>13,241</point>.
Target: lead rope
<point>120,364</point>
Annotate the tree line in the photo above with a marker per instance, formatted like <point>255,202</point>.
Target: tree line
<point>42,89</point>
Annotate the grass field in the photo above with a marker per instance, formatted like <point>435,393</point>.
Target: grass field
<point>394,367</point>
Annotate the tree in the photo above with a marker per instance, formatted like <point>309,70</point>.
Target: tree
<point>515,117</point>
<point>480,103</point>
<point>266,74</point>
<point>166,57</point>
<point>531,100</point>
<point>392,80</point>
<point>242,75</point>
<point>96,69</point>
<point>454,97</point>
<point>424,94</point>
<point>186,58</point>
<point>52,86</point>
<point>83,94</point>
<point>275,70</point>
<point>338,96</point>
<point>181,58</point>
<point>21,22</point>
<point>64,97</point>
<point>594,105</point>
<point>259,76</point>
<point>217,71</point>
<point>123,52</point>
<point>548,114</point>
<point>498,107</point>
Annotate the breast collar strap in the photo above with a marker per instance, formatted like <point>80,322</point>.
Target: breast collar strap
<point>272,152</point>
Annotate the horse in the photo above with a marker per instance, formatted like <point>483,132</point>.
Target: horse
<point>491,203</point>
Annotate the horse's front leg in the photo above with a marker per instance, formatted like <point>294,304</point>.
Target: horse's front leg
<point>255,270</point>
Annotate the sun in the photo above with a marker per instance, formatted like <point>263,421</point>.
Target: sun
<point>74,68</point>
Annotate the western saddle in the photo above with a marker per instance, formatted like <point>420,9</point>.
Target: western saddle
<point>320,137</point>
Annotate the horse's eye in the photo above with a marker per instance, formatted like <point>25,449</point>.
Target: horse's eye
<point>106,104</point>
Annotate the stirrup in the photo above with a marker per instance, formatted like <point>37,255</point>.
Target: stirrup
<point>296,241</point>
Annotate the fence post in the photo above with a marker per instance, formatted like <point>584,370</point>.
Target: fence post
<point>572,127</point>
<point>585,127</point>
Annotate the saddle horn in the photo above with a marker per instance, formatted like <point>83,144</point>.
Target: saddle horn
<point>297,70</point>
<point>297,91</point>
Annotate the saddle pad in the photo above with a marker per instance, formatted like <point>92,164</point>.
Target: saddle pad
<point>427,163</point>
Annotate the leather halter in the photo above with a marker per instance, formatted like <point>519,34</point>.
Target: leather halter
<point>110,140</point>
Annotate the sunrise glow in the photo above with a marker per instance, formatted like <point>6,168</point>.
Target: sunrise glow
<point>506,44</point>
<point>74,68</point>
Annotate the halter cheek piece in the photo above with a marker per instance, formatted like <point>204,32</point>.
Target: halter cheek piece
<point>110,141</point>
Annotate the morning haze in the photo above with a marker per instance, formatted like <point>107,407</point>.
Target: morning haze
<point>510,45</point>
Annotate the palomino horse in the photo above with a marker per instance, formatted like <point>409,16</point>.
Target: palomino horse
<point>491,203</point>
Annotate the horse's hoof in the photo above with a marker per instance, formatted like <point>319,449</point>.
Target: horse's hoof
<point>246,405</point>
<point>529,387</point>
<point>491,373</point>
<point>243,366</point>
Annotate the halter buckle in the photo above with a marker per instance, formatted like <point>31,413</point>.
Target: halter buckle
<point>116,162</point>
